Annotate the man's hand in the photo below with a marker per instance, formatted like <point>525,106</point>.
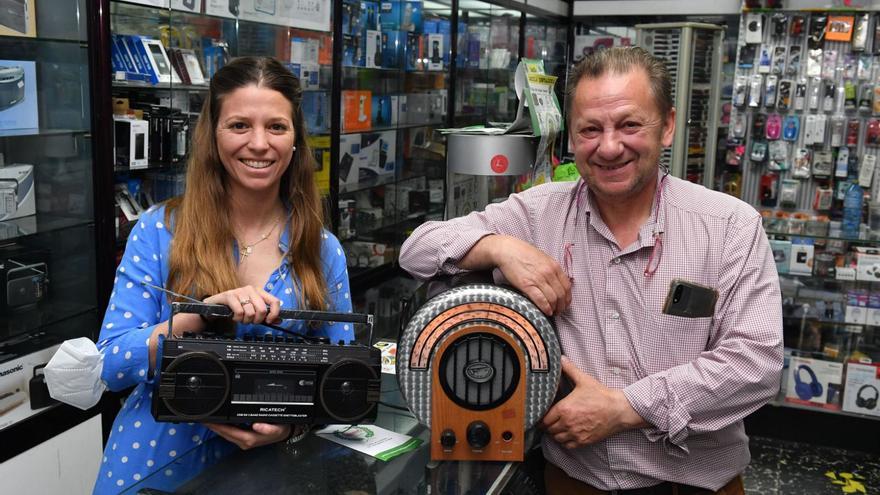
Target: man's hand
<point>260,434</point>
<point>590,413</point>
<point>531,271</point>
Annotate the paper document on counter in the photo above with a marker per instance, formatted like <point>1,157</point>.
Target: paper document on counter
<point>371,440</point>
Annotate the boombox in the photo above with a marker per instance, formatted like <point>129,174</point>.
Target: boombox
<point>480,364</point>
<point>292,379</point>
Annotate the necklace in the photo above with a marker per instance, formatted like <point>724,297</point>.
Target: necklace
<point>248,249</point>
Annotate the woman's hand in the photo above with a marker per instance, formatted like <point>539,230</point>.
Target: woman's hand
<point>260,434</point>
<point>249,304</point>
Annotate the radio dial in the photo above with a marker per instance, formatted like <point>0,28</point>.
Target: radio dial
<point>447,439</point>
<point>478,434</point>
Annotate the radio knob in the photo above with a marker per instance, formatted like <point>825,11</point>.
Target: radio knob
<point>447,439</point>
<point>478,434</point>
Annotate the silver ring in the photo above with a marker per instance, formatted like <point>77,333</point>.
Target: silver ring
<point>245,301</point>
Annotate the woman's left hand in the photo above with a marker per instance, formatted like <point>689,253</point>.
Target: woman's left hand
<point>260,434</point>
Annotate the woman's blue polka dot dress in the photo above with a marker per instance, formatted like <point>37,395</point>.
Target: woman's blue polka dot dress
<point>138,446</point>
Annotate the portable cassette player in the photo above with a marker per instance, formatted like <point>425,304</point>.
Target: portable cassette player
<point>206,378</point>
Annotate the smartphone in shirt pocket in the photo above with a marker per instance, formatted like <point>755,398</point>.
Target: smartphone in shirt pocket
<point>690,300</point>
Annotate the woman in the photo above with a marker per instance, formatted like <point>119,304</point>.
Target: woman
<point>247,233</point>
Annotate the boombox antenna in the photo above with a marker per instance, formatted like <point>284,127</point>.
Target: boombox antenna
<point>222,311</point>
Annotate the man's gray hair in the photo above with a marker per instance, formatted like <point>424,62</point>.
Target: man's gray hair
<point>622,60</point>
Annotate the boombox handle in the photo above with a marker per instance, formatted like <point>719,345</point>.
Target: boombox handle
<point>223,311</point>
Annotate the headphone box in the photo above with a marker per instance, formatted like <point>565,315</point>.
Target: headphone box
<point>814,382</point>
<point>131,146</point>
<point>862,388</point>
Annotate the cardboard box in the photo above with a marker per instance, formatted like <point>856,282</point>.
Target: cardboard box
<point>381,111</point>
<point>781,254</point>
<point>17,191</point>
<point>367,156</point>
<point>801,259</point>
<point>867,263</point>
<point>862,388</point>
<point>18,95</point>
<point>356,110</point>
<point>814,382</point>
<point>374,49</point>
<point>17,18</point>
<point>436,51</point>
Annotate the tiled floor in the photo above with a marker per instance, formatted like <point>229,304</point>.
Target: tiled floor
<point>781,468</point>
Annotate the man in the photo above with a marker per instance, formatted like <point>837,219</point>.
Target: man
<point>659,398</point>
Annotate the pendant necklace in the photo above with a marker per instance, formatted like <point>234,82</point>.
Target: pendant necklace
<point>248,249</point>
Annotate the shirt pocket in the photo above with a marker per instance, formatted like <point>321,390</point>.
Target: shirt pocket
<point>671,341</point>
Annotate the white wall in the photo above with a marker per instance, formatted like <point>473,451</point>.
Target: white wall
<point>67,463</point>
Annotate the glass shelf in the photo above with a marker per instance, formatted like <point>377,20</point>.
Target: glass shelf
<point>398,127</point>
<point>859,240</point>
<point>41,132</point>
<point>782,403</point>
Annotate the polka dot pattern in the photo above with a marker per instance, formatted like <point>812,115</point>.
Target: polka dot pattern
<point>139,447</point>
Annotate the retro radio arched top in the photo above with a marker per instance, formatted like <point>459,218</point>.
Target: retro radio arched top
<point>480,365</point>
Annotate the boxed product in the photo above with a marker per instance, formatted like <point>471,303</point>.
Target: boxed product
<point>18,95</point>
<point>374,48</point>
<point>801,259</point>
<point>873,311</point>
<point>862,389</point>
<point>23,391</point>
<point>392,48</point>
<point>356,110</point>
<point>414,52</point>
<point>368,254</point>
<point>436,51</point>
<point>401,15</point>
<point>856,306</point>
<point>781,254</point>
<point>320,146</point>
<point>316,110</point>
<point>381,111</point>
<point>370,15</point>
<point>367,156</point>
<point>389,355</point>
<point>17,18</point>
<point>17,191</point>
<point>814,382</point>
<point>352,20</point>
<point>867,263</point>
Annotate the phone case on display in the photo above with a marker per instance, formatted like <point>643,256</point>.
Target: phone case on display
<point>765,60</point>
<point>849,92</point>
<point>822,163</point>
<point>838,130</point>
<point>817,31</point>
<point>852,132</point>
<point>731,183</point>
<point>759,121</point>
<point>793,66</point>
<point>783,102</point>
<point>796,26</point>
<point>756,84</point>
<point>754,28</point>
<point>770,91</point>
<point>740,90</point>
<point>788,193</point>
<point>791,128</point>
<point>778,66</point>
<point>800,95</point>
<point>815,93</point>
<point>779,23</point>
<point>769,189</point>
<point>735,155</point>
<point>866,94</point>
<point>829,64</point>
<point>828,96</point>
<point>778,152</point>
<point>773,126</point>
<point>876,44</point>
<point>747,54</point>
<point>841,164</point>
<point>872,134</point>
<point>739,126</point>
<point>823,198</point>
<point>759,151</point>
<point>802,164</point>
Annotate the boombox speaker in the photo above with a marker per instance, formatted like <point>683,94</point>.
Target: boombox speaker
<point>480,365</point>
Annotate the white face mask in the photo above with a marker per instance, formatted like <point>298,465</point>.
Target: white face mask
<point>73,375</point>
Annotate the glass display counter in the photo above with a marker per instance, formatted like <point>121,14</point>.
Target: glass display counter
<point>317,466</point>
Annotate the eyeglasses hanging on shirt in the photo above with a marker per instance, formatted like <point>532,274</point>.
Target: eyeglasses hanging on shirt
<point>656,251</point>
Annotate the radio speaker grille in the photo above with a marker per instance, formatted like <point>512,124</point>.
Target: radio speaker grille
<point>195,385</point>
<point>479,371</point>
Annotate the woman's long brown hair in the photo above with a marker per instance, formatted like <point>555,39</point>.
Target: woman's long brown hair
<point>201,261</point>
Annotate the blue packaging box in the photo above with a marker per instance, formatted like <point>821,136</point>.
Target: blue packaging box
<point>381,111</point>
<point>414,52</point>
<point>316,111</point>
<point>399,15</point>
<point>392,48</point>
